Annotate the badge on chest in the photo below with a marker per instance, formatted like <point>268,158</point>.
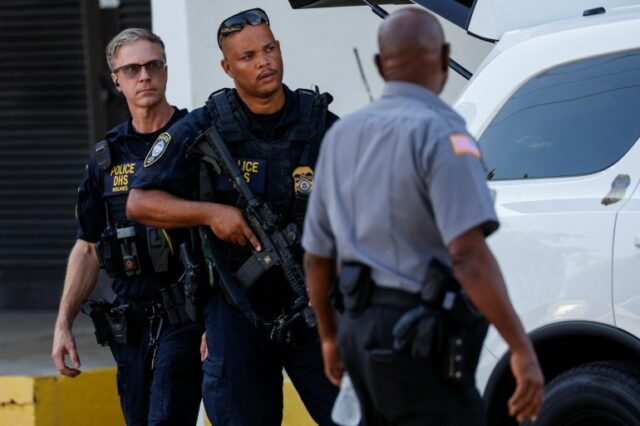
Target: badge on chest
<point>254,172</point>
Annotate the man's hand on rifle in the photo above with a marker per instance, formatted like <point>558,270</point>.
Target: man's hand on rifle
<point>229,224</point>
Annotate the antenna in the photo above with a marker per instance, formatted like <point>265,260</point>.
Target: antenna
<point>362,75</point>
<point>376,9</point>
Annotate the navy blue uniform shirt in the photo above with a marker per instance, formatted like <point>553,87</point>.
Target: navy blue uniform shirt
<point>128,149</point>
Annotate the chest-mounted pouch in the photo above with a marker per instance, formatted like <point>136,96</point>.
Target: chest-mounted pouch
<point>109,255</point>
<point>322,99</point>
<point>118,253</point>
<point>103,155</point>
<point>160,248</point>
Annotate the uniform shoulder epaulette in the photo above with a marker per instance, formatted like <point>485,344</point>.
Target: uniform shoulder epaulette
<point>224,90</point>
<point>319,99</point>
<point>103,154</point>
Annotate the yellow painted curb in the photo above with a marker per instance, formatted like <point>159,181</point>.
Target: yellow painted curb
<point>17,401</point>
<point>59,400</point>
<point>91,398</point>
<point>295,414</point>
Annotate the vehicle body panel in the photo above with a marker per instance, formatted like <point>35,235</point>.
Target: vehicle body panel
<point>491,19</point>
<point>626,270</point>
<point>556,244</point>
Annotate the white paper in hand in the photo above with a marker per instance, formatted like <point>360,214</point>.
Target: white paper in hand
<point>346,409</point>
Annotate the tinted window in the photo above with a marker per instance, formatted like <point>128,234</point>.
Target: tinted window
<point>456,11</point>
<point>573,120</point>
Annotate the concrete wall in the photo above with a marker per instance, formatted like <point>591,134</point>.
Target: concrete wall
<point>317,46</point>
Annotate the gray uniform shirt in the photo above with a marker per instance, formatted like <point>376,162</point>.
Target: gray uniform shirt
<point>395,183</point>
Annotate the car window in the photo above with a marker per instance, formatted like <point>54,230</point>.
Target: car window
<point>572,120</point>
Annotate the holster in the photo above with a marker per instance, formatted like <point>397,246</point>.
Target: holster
<point>97,312</point>
<point>121,323</point>
<point>445,326</point>
<point>420,330</point>
<point>465,331</point>
<point>113,324</point>
<point>355,286</point>
<point>336,297</point>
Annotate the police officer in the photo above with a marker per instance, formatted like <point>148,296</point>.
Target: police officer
<point>274,135</point>
<point>399,184</point>
<point>159,370</point>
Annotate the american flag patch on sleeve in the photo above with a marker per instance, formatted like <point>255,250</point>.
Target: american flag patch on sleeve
<point>464,144</point>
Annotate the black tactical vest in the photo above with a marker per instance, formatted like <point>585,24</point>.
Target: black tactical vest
<point>127,248</point>
<point>279,170</point>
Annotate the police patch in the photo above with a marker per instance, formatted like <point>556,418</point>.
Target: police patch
<point>159,147</point>
<point>254,172</point>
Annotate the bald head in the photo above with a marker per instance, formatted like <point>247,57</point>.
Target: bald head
<point>408,30</point>
<point>412,48</point>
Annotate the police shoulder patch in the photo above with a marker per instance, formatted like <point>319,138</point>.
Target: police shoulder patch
<point>463,144</point>
<point>158,149</point>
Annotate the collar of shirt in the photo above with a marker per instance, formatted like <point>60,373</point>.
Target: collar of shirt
<point>126,127</point>
<point>290,115</point>
<point>126,133</point>
<point>411,90</point>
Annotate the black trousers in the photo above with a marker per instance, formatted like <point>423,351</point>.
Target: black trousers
<point>242,384</point>
<point>395,389</point>
<point>171,393</point>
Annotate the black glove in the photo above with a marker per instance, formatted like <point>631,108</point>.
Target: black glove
<point>418,328</point>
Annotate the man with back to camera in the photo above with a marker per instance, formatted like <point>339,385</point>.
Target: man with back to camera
<point>431,210</point>
<point>159,370</point>
<point>273,134</point>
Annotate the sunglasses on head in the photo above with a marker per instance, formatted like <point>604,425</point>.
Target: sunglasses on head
<point>237,22</point>
<point>154,68</point>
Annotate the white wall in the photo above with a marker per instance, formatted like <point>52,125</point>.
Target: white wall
<point>317,46</point>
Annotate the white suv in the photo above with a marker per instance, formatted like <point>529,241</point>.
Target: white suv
<point>556,109</point>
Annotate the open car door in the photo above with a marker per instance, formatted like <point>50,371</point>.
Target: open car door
<point>302,4</point>
<point>490,19</point>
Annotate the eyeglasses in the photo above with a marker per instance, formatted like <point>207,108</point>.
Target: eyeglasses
<point>154,68</point>
<point>237,22</point>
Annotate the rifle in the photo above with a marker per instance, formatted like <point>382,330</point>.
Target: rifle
<point>276,243</point>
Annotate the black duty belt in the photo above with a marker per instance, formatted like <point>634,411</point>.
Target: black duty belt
<point>387,296</point>
<point>147,309</point>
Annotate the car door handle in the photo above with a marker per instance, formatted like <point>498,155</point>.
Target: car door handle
<point>636,241</point>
